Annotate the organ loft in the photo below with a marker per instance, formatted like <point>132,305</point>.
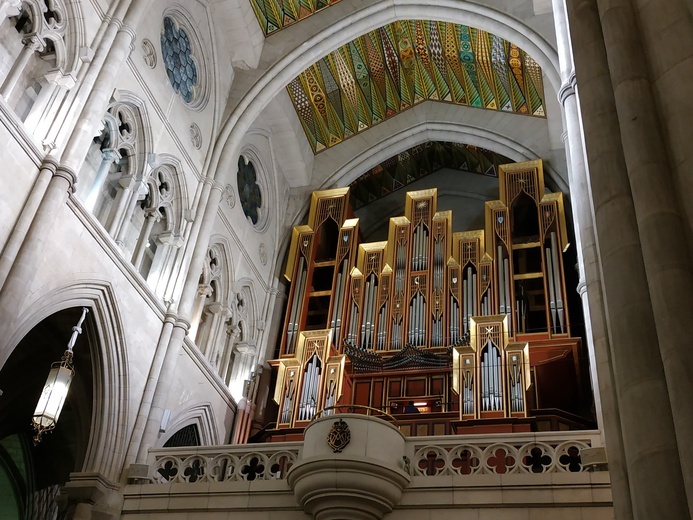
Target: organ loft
<point>439,330</point>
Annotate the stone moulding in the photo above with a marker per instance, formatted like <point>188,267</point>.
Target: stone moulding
<point>363,481</point>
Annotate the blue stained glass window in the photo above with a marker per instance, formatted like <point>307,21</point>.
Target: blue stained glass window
<point>248,190</point>
<point>180,67</point>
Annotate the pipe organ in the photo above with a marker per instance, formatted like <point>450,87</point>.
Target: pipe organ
<point>444,330</point>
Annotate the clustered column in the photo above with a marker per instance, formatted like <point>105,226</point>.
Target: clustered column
<point>643,250</point>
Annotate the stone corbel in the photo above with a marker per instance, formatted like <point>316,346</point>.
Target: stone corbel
<point>91,495</point>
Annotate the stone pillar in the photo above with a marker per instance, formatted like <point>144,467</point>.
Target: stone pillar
<point>33,247</point>
<point>590,290</point>
<point>187,302</point>
<point>32,44</point>
<point>164,261</point>
<point>652,174</point>
<point>149,389</point>
<point>665,31</point>
<point>127,183</point>
<point>589,286</point>
<point>108,157</point>
<point>652,458</point>
<point>152,217</point>
<point>14,242</point>
<point>233,333</point>
<point>52,83</point>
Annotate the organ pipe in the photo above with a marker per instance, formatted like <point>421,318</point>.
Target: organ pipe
<point>440,287</point>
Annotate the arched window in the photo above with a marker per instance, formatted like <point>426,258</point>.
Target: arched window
<point>41,63</point>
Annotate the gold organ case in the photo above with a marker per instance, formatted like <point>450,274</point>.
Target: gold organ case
<point>447,332</point>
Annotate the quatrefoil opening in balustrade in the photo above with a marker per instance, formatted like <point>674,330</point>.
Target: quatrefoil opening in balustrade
<point>253,469</point>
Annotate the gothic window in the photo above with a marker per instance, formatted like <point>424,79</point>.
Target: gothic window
<point>178,60</point>
<point>37,62</point>
<point>249,191</point>
<point>186,436</point>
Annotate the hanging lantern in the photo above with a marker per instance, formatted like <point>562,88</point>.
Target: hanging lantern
<point>57,385</point>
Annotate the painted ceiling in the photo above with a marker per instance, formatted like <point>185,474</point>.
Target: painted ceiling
<point>419,161</point>
<point>390,69</point>
<point>277,14</point>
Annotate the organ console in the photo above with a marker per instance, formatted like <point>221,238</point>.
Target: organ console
<point>471,329</point>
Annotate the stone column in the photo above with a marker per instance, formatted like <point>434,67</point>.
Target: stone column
<point>152,217</point>
<point>52,83</point>
<point>665,31</point>
<point>233,333</point>
<point>206,344</point>
<point>590,290</point>
<point>33,248</point>
<point>32,44</point>
<point>127,183</point>
<point>108,157</point>
<point>661,220</point>
<point>168,245</point>
<point>14,242</point>
<point>652,458</point>
<point>214,344</point>
<point>150,388</point>
<point>589,286</point>
<point>187,302</point>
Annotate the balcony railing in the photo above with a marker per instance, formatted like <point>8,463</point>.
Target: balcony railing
<point>546,452</point>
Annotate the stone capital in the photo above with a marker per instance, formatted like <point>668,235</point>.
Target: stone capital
<point>34,42</point>
<point>59,78</point>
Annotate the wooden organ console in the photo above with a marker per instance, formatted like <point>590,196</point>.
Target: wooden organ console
<point>448,332</point>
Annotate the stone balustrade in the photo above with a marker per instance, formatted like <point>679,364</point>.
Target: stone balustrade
<point>229,463</point>
<point>547,452</point>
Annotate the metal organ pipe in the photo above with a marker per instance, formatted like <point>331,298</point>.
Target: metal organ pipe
<point>501,281</point>
<point>507,280</point>
<point>485,380</point>
<point>552,294</point>
<point>556,278</point>
<point>475,299</point>
<point>465,288</point>
<point>470,297</point>
<point>297,304</point>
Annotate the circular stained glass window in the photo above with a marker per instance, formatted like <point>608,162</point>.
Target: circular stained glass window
<point>178,60</point>
<point>249,191</point>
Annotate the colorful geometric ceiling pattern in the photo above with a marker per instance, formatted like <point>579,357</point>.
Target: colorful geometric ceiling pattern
<point>404,63</point>
<point>277,14</point>
<point>419,161</point>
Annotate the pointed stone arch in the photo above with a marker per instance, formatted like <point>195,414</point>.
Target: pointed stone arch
<point>354,24</point>
<point>107,440</point>
<point>202,416</point>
